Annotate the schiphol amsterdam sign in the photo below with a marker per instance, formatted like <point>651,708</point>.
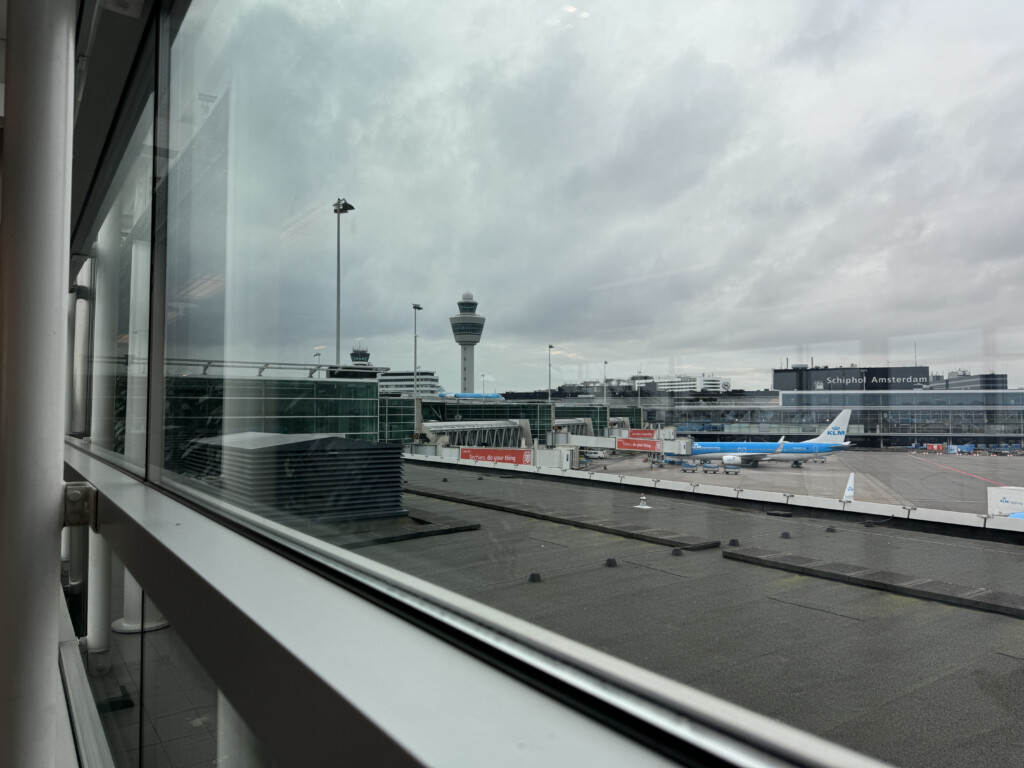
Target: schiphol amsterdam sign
<point>869,378</point>
<point>505,455</point>
<point>876,380</point>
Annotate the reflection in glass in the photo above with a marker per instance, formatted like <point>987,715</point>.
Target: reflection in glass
<point>179,703</point>
<point>670,187</point>
<point>188,721</point>
<point>114,660</point>
<point>112,310</point>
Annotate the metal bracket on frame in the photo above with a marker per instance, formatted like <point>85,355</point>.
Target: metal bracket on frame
<point>80,505</point>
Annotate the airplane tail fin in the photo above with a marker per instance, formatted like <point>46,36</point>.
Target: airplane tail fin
<point>835,433</point>
<point>848,495</point>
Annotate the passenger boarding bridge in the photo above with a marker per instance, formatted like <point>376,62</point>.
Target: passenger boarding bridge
<point>508,433</point>
<point>580,426</point>
<point>503,433</point>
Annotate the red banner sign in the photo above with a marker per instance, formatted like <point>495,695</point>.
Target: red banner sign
<point>641,433</point>
<point>632,444</point>
<point>506,455</point>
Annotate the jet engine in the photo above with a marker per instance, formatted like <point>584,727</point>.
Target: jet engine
<point>732,461</point>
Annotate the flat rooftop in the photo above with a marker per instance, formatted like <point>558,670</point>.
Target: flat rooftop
<point>914,681</point>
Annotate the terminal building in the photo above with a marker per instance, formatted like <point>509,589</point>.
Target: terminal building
<point>963,379</point>
<point>411,383</point>
<point>361,402</point>
<point>803,378</point>
<point>700,383</point>
<point>887,412</point>
<point>892,406</point>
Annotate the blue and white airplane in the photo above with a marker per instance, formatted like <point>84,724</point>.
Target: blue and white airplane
<point>470,395</point>
<point>734,454</point>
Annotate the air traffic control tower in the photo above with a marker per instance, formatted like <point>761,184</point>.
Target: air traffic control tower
<point>467,326</point>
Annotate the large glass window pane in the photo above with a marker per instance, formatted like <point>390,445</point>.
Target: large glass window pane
<point>705,222</point>
<point>114,657</point>
<point>110,343</point>
<point>187,720</point>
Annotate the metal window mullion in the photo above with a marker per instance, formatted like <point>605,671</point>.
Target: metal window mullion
<point>158,233</point>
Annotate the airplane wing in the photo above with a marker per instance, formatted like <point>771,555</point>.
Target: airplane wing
<point>747,458</point>
<point>751,457</point>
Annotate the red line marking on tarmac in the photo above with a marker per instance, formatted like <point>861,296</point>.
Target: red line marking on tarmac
<point>954,469</point>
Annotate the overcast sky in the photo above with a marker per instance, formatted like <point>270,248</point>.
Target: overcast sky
<point>673,187</point>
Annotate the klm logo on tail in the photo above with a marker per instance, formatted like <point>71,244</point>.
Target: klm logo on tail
<point>835,433</point>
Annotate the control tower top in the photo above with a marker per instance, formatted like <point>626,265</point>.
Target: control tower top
<point>467,305</point>
<point>467,326</point>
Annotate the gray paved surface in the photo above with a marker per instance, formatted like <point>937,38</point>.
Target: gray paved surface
<point>911,681</point>
<point>957,483</point>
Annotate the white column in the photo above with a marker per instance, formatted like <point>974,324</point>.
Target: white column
<point>97,639</point>
<point>138,356</point>
<point>79,352</point>
<point>78,554</point>
<point>65,554</point>
<point>105,278</point>
<point>68,352</point>
<point>33,333</point>
<point>131,622</point>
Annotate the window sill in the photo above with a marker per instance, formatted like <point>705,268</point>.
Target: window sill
<point>320,672</point>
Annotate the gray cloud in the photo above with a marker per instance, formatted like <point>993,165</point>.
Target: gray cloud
<point>832,31</point>
<point>695,186</point>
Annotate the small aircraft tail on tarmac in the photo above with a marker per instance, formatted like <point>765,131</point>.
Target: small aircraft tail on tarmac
<point>848,495</point>
<point>835,433</point>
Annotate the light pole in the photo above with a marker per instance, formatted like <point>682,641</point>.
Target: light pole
<point>483,387</point>
<point>341,206</point>
<point>317,356</point>
<point>415,360</point>
<point>638,406</point>
<point>606,382</point>
<point>550,347</point>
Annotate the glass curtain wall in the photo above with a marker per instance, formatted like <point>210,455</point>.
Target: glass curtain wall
<point>643,189</point>
<point>110,344</point>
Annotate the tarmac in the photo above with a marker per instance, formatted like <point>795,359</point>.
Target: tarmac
<point>913,680</point>
<point>935,481</point>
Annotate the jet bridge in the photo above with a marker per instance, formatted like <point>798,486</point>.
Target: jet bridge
<point>505,433</point>
<point>681,447</point>
<point>582,426</point>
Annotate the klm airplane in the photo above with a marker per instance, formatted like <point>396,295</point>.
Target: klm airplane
<point>734,454</point>
<point>470,395</point>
